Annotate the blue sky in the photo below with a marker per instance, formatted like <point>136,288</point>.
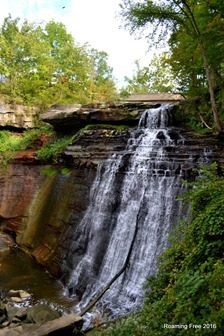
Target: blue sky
<point>92,21</point>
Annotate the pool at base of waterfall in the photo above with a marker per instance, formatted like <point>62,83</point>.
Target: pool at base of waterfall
<point>21,272</point>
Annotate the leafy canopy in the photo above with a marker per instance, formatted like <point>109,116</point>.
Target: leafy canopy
<point>42,64</point>
<point>156,77</point>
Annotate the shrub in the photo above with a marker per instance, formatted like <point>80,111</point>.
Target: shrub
<point>52,149</point>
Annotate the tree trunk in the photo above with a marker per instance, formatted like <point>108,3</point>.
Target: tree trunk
<point>217,121</point>
<point>189,14</point>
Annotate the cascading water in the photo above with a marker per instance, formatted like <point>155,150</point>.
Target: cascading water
<point>134,194</point>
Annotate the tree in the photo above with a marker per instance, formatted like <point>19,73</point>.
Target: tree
<point>101,82</point>
<point>20,56</point>
<point>70,72</point>
<point>187,65</point>
<point>154,78</point>
<point>196,18</point>
<point>42,65</point>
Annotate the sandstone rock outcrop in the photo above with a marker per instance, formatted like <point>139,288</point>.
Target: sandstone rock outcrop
<point>17,116</point>
<point>67,118</point>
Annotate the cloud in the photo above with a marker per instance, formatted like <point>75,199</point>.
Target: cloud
<point>95,22</point>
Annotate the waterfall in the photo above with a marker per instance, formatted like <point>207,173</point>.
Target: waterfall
<point>136,188</point>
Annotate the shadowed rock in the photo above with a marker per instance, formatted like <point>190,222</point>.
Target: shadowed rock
<point>64,325</point>
<point>67,118</point>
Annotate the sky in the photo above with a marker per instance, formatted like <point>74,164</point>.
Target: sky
<point>89,21</point>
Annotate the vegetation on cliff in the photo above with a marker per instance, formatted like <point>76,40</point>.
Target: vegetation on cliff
<point>42,141</point>
<point>187,292</point>
<point>11,142</point>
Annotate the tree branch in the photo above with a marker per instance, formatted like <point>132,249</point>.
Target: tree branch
<point>203,122</point>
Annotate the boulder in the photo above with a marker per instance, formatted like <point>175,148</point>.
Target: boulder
<point>4,247</point>
<point>41,313</point>
<point>38,320</point>
<point>18,296</point>
<point>6,243</point>
<point>64,325</point>
<point>68,325</point>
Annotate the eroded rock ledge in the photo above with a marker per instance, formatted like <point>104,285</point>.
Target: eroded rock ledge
<point>70,118</point>
<point>17,116</point>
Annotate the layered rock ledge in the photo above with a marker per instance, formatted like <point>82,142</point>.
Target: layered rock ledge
<point>17,116</point>
<point>70,118</point>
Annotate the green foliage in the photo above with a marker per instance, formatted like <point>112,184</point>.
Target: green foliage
<point>188,289</point>
<point>48,171</point>
<point>42,65</point>
<point>65,171</point>
<point>187,64</point>
<point>125,327</point>
<point>157,77</point>
<point>10,141</point>
<point>53,148</point>
<point>101,82</point>
<point>188,113</point>
<point>105,126</point>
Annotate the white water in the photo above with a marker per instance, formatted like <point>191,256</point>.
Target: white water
<point>138,187</point>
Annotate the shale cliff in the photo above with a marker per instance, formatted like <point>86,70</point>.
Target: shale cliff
<point>40,204</point>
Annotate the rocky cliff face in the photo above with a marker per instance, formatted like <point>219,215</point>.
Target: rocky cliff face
<point>70,118</point>
<point>18,116</point>
<point>41,205</point>
<point>36,208</point>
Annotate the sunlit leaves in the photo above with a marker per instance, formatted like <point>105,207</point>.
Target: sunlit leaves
<point>154,78</point>
<point>42,64</point>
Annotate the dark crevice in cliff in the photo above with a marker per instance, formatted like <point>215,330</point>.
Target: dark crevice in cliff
<point>12,129</point>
